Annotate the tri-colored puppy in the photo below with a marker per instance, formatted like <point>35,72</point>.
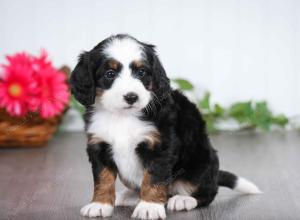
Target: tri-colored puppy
<point>149,135</point>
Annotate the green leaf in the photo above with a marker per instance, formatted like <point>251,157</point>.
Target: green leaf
<point>242,112</point>
<point>205,102</point>
<point>184,84</point>
<point>262,116</point>
<point>76,105</point>
<point>261,109</point>
<point>280,120</point>
<point>210,123</point>
<point>219,111</point>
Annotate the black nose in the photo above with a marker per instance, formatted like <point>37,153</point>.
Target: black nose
<point>131,98</point>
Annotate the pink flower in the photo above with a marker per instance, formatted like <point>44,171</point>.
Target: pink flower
<point>32,84</point>
<point>16,85</point>
<point>53,92</point>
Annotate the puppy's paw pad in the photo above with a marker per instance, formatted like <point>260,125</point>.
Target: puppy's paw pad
<point>149,210</point>
<point>181,202</point>
<point>126,198</point>
<point>96,209</point>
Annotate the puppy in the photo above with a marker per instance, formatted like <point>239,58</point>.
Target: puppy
<point>141,130</point>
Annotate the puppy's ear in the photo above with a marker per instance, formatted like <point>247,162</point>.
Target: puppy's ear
<point>161,82</point>
<point>82,81</point>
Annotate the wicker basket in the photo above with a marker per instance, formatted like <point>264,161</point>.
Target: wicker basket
<point>28,131</point>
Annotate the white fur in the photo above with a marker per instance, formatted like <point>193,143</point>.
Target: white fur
<point>149,210</point>
<point>126,197</point>
<point>123,132</point>
<point>245,186</point>
<point>124,51</point>
<point>95,209</point>
<point>181,202</point>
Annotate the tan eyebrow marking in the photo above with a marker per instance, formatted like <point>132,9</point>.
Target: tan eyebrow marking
<point>138,63</point>
<point>113,64</point>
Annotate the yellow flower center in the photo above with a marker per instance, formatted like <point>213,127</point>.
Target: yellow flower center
<point>15,90</point>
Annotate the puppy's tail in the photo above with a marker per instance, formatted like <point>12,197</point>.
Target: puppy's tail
<point>234,182</point>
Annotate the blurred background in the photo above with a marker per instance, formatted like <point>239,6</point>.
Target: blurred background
<point>238,60</point>
<point>238,50</point>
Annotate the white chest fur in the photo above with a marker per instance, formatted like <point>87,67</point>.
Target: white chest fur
<point>123,132</point>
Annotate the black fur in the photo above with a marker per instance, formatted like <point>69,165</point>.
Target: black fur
<point>227,179</point>
<point>184,153</point>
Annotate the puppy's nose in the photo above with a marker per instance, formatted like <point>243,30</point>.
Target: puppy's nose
<point>131,98</point>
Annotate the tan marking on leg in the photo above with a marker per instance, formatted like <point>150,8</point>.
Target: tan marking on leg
<point>152,192</point>
<point>104,189</point>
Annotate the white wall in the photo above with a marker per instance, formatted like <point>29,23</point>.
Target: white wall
<point>247,49</point>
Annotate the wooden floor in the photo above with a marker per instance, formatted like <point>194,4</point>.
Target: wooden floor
<point>54,182</point>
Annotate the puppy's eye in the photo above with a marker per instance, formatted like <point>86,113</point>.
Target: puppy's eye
<point>110,74</point>
<point>141,72</point>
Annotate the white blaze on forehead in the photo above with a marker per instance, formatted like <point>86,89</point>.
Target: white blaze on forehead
<point>124,50</point>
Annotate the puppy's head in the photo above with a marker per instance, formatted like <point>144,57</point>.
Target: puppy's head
<point>122,73</point>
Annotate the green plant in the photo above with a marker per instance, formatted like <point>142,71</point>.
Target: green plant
<point>249,114</point>
<point>76,105</point>
<point>184,84</point>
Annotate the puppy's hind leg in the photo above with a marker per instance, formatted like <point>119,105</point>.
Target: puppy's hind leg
<point>187,196</point>
<point>182,199</point>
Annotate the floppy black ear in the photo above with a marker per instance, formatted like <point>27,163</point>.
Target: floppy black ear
<point>82,81</point>
<point>161,82</point>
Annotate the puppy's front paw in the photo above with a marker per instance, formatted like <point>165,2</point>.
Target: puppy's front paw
<point>149,210</point>
<point>95,209</point>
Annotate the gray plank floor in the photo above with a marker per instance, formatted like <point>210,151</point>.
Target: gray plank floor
<point>54,182</point>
